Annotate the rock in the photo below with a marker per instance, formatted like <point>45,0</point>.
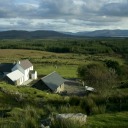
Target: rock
<point>76,117</point>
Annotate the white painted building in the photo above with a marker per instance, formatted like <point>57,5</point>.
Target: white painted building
<point>26,68</point>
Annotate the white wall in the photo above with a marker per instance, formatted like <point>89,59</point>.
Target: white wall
<point>26,77</point>
<point>21,81</point>
<point>25,72</point>
<point>60,88</point>
<point>34,75</point>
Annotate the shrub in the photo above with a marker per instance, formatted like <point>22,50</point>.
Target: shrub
<point>74,100</point>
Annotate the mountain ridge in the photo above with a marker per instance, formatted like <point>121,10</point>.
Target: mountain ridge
<point>23,34</point>
<point>104,33</point>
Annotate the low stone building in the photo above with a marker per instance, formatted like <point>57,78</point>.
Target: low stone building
<point>52,82</point>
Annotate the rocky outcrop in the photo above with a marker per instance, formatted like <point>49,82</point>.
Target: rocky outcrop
<point>76,117</point>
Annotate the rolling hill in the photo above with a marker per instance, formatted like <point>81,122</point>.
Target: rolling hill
<point>104,33</point>
<point>40,34</point>
<point>19,34</point>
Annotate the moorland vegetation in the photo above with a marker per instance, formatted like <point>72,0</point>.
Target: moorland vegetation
<point>101,63</point>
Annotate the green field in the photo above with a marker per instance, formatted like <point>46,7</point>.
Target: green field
<point>115,120</point>
<point>25,107</point>
<point>46,62</point>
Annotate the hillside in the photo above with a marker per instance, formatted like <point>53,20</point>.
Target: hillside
<point>104,33</point>
<point>40,34</point>
<point>27,107</point>
<point>18,34</point>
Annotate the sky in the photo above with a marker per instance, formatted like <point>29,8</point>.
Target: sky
<point>63,15</point>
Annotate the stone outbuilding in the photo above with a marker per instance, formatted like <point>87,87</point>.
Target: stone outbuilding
<point>53,82</point>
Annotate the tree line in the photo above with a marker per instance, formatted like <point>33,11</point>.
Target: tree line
<point>83,46</point>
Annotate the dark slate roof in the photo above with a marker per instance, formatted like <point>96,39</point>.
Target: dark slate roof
<point>6,67</point>
<point>53,80</point>
<point>25,64</point>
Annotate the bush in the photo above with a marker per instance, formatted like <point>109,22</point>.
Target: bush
<point>114,65</point>
<point>74,100</point>
<point>124,84</point>
<point>97,76</point>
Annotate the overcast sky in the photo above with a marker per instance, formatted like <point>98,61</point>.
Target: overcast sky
<point>63,15</point>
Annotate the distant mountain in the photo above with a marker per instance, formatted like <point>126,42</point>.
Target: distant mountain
<point>104,33</point>
<point>19,34</point>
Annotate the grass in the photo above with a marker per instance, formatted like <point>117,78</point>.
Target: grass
<point>67,71</point>
<point>39,57</point>
<point>114,120</point>
<point>46,62</point>
<point>20,102</point>
<point>21,118</point>
<point>35,105</point>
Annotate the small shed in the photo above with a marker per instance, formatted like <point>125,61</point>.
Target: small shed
<point>52,82</point>
<point>33,74</point>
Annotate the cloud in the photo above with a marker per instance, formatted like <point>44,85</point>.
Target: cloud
<point>61,15</point>
<point>115,9</point>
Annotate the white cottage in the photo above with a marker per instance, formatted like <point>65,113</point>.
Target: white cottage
<point>24,67</point>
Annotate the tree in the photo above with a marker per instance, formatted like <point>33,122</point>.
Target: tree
<point>96,75</point>
<point>114,65</point>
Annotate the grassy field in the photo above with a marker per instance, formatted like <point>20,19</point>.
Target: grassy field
<point>19,102</point>
<point>67,71</point>
<point>47,62</point>
<point>115,120</point>
<point>23,107</point>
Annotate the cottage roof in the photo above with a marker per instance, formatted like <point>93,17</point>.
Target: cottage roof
<point>25,64</point>
<point>53,80</point>
<point>6,67</point>
<point>15,75</point>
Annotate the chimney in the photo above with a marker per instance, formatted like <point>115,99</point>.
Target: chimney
<point>18,62</point>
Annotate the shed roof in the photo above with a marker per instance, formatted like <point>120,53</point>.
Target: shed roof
<point>25,64</point>
<point>15,75</point>
<point>6,67</point>
<point>53,80</point>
